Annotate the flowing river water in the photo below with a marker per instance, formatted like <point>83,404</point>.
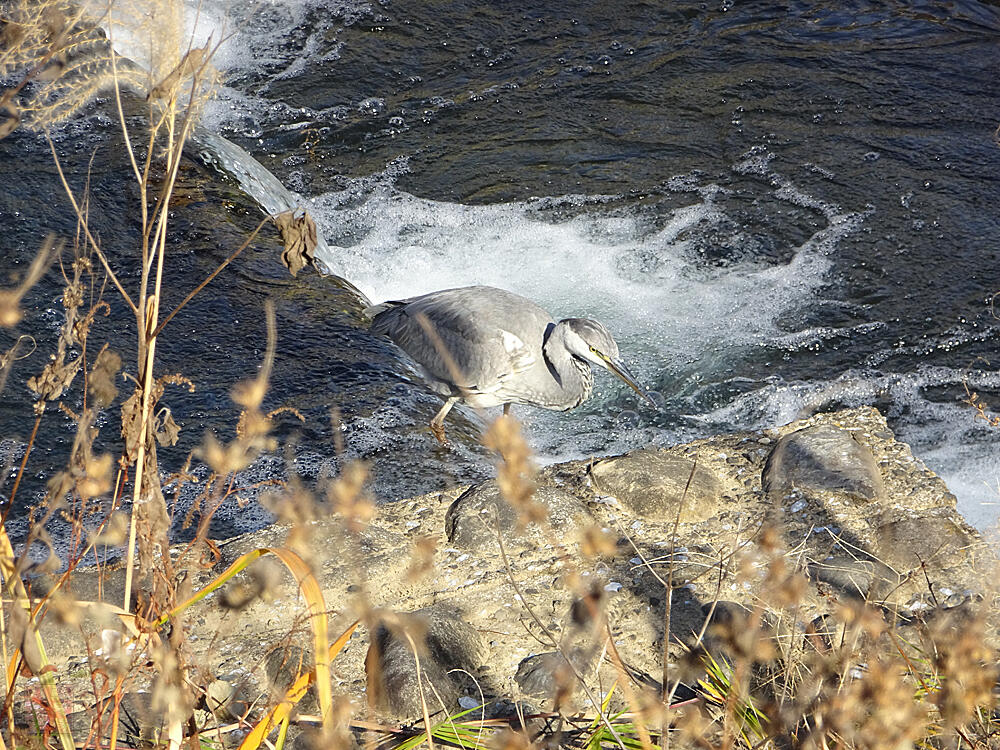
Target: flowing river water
<point>777,208</point>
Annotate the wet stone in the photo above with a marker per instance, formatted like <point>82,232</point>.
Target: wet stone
<point>445,643</point>
<point>477,515</point>
<point>852,578</point>
<point>823,458</point>
<point>937,542</point>
<point>654,483</point>
<point>549,678</point>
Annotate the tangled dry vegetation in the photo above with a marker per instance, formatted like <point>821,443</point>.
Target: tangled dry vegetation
<point>755,679</point>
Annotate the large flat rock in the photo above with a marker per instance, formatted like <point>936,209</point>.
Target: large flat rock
<point>661,484</point>
<point>823,458</point>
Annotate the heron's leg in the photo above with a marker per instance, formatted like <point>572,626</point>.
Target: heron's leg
<point>437,424</point>
<point>506,409</point>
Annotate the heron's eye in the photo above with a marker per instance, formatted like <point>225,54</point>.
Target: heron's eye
<point>593,349</point>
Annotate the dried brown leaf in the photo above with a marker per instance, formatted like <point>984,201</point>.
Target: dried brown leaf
<point>132,413</point>
<point>101,383</point>
<point>165,428</point>
<point>132,424</point>
<point>54,378</point>
<point>24,633</point>
<point>300,238</point>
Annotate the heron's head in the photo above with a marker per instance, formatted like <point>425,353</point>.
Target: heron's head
<point>590,341</point>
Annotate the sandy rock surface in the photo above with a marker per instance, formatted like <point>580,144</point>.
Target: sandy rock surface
<point>853,510</point>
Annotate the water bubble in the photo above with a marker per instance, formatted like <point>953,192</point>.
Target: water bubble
<point>396,122</point>
<point>373,106</point>
<point>604,60</point>
<point>872,156</point>
<point>628,418</point>
<point>657,398</point>
<point>616,45</point>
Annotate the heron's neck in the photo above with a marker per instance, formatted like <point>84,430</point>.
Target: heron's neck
<point>572,376</point>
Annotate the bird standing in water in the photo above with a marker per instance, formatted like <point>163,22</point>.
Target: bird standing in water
<point>491,347</point>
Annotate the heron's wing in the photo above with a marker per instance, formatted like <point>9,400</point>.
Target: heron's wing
<point>476,338</point>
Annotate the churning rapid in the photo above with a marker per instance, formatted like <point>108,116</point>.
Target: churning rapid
<point>775,211</point>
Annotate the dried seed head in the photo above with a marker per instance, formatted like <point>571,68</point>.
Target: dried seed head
<point>101,383</point>
<point>348,499</point>
<point>422,557</point>
<point>249,393</point>
<point>96,479</point>
<point>55,377</point>
<point>262,579</point>
<point>967,670</point>
<point>10,313</point>
<point>509,739</point>
<point>586,608</point>
<point>65,609</point>
<point>862,618</point>
<point>115,531</point>
<point>783,588</point>
<point>516,473</point>
<point>597,542</point>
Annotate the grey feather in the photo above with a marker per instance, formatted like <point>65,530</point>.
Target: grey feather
<point>489,347</point>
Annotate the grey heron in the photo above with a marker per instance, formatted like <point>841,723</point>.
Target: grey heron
<point>491,347</point>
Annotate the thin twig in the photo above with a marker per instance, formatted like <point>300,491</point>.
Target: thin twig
<point>86,229</point>
<point>121,111</point>
<point>211,276</point>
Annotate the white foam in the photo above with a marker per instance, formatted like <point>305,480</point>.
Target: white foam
<point>946,437</point>
<point>679,321</point>
<point>141,30</point>
<point>648,284</point>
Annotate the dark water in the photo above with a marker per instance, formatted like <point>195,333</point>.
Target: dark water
<point>778,208</point>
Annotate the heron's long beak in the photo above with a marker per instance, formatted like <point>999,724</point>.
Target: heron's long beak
<point>618,368</point>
